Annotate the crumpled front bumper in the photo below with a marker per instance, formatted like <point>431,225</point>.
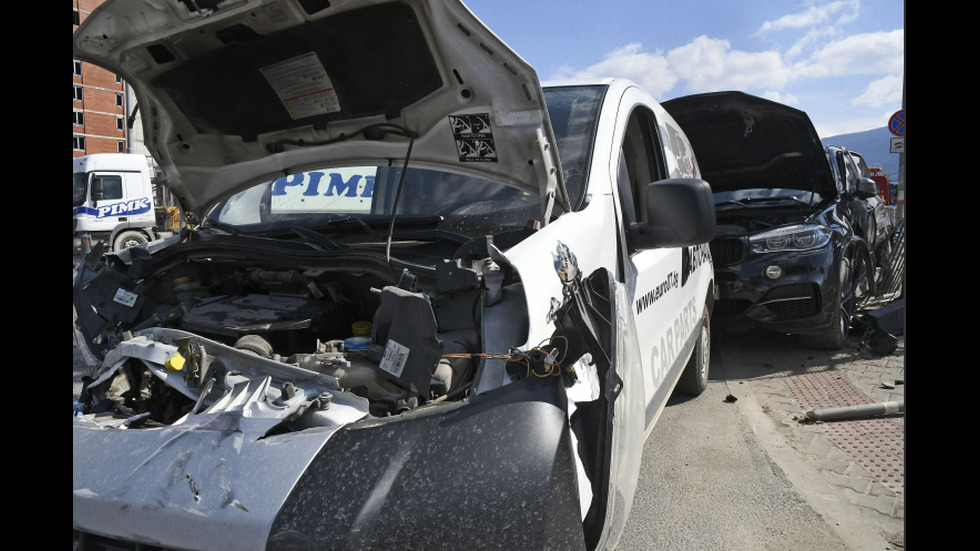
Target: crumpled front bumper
<point>801,301</point>
<point>495,471</point>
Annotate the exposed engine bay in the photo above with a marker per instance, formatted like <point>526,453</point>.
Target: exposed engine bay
<point>748,222</point>
<point>309,345</point>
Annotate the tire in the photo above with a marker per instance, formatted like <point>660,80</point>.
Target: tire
<point>127,239</point>
<point>694,379</point>
<point>834,336</point>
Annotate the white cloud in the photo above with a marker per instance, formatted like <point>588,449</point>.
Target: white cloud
<point>708,64</point>
<point>820,23</point>
<point>650,70</point>
<point>822,64</point>
<point>814,15</point>
<point>880,53</point>
<point>884,91</point>
<point>780,97</point>
<point>705,65</point>
<point>811,40</point>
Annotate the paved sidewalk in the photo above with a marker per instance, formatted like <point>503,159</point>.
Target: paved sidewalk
<point>851,470</point>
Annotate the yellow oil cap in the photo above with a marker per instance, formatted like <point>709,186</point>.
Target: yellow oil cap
<point>361,328</point>
<point>175,363</point>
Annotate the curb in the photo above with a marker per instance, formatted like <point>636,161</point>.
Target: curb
<point>850,470</point>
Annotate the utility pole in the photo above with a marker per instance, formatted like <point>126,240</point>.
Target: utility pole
<point>901,164</point>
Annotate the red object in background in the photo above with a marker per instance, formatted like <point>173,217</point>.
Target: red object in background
<point>885,190</point>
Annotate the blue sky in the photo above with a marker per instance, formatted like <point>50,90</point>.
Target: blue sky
<point>841,61</point>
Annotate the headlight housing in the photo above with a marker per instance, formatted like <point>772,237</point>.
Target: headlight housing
<point>801,237</point>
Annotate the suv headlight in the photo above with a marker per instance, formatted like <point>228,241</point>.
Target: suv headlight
<point>803,237</point>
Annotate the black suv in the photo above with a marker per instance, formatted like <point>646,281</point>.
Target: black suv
<point>803,238</point>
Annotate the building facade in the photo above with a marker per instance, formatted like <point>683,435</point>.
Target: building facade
<point>100,103</point>
<point>105,118</point>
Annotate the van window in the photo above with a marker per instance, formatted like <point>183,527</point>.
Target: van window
<point>641,161</point>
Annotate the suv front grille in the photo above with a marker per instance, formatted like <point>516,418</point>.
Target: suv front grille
<point>726,251</point>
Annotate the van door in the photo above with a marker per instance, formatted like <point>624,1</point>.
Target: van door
<point>664,312</point>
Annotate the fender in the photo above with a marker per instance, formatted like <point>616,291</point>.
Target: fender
<point>424,481</point>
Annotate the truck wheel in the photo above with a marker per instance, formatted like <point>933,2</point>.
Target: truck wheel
<point>128,239</point>
<point>694,379</point>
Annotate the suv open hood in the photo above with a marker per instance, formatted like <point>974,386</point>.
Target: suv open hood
<point>232,93</point>
<point>746,142</point>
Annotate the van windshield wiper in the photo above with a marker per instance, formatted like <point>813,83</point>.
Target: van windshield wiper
<point>315,239</point>
<point>211,223</point>
<point>345,220</point>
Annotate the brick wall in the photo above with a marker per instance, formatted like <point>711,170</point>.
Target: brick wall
<point>98,104</point>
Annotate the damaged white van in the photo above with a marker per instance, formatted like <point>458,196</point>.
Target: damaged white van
<point>427,304</point>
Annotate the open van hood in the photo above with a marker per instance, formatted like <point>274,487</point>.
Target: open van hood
<point>747,142</point>
<point>236,92</point>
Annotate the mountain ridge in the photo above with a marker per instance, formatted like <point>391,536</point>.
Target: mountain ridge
<point>874,145</point>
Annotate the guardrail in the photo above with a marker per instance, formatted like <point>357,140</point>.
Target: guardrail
<point>891,286</point>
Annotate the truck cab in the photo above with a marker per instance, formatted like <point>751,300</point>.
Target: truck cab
<point>112,200</point>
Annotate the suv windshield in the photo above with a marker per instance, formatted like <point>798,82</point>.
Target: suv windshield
<point>464,204</point>
<point>764,197</point>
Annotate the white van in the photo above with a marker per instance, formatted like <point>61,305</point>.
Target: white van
<point>468,356</point>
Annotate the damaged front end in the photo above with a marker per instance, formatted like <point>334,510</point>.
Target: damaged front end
<point>251,397</point>
<point>353,326</point>
<point>342,354</point>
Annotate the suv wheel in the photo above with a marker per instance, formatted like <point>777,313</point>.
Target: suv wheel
<point>834,335</point>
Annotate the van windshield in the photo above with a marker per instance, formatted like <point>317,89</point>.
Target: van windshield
<point>462,204</point>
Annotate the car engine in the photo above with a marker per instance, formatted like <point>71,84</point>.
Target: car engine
<point>170,340</point>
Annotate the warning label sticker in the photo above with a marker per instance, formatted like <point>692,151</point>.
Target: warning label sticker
<point>394,358</point>
<point>474,138</point>
<point>303,86</point>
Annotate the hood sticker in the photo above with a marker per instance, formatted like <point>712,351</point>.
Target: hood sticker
<point>474,138</point>
<point>303,86</point>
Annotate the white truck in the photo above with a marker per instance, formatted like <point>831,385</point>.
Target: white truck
<point>112,201</point>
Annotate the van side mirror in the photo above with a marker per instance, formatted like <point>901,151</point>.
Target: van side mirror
<point>676,212</point>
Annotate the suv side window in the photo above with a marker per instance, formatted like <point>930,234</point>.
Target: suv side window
<point>851,172</point>
<point>838,166</point>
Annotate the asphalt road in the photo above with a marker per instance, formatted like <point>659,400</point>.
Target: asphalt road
<point>746,475</point>
<point>707,483</point>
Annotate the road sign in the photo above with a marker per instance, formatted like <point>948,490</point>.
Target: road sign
<point>896,124</point>
<point>897,145</point>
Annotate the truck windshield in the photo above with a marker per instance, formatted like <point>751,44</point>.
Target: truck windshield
<point>79,186</point>
<point>463,204</point>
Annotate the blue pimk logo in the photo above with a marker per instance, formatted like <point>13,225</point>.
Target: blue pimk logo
<point>123,208</point>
